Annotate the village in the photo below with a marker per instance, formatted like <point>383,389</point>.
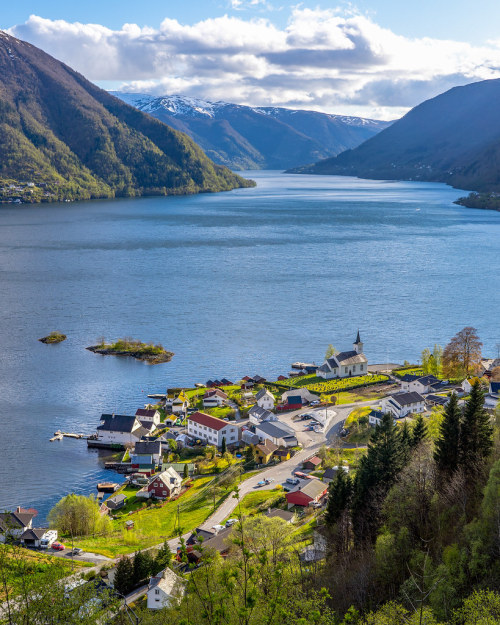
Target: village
<point>277,444</point>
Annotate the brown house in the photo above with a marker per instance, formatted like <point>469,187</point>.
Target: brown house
<point>312,463</point>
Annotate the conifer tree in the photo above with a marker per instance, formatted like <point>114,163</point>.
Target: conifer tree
<point>419,432</point>
<point>339,496</point>
<point>447,445</point>
<point>476,432</point>
<point>124,576</point>
<point>142,566</point>
<point>223,446</point>
<point>186,471</point>
<point>405,438</point>
<point>163,559</point>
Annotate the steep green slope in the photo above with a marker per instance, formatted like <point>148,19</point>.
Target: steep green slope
<point>64,138</point>
<point>453,138</point>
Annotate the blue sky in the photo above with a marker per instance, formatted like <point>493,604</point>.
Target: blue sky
<point>371,58</point>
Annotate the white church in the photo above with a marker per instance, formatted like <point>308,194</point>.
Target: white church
<point>345,364</point>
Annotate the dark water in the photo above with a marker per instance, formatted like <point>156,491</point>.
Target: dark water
<point>237,283</point>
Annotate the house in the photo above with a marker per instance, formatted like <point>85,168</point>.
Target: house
<point>294,402</point>
<point>345,364</point>
<point>199,535</point>
<point>494,389</point>
<point>312,463</point>
<point>331,473</point>
<point>38,537</point>
<point>258,379</point>
<point>212,430</point>
<point>264,452</point>
<point>420,384</point>
<point>180,404</point>
<point>247,385</point>
<point>305,395</point>
<point>146,456</point>
<point>265,399</point>
<point>165,485</point>
<point>164,589</point>
<point>285,515</point>
<point>214,398</point>
<point>116,502</point>
<point>14,524</point>
<point>282,454</point>
<point>220,542</point>
<point>277,432</point>
<point>118,430</point>
<point>402,404</point>
<point>436,400</point>
<point>467,384</point>
<point>281,378</point>
<point>226,382</point>
<point>148,414</point>
<point>310,493</point>
<point>375,417</point>
<point>257,415</point>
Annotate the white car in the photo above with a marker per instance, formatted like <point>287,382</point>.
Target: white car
<point>292,480</point>
<point>218,528</point>
<point>231,522</point>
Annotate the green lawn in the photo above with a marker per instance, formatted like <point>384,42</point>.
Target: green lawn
<point>355,414</point>
<point>155,524</point>
<point>259,501</point>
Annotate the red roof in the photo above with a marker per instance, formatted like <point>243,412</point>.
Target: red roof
<point>314,460</point>
<point>144,412</point>
<point>205,419</point>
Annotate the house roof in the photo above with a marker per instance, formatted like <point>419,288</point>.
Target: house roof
<point>405,399</point>
<point>215,392</point>
<point>15,520</point>
<point>168,477</point>
<point>205,419</point>
<point>286,515</point>
<point>260,413</point>
<point>313,488</point>
<point>263,392</point>
<point>428,379</point>
<point>303,392</point>
<point>495,387</point>
<point>226,382</point>
<point>219,541</point>
<point>258,379</point>
<point>147,447</point>
<point>35,533</point>
<point>294,399</point>
<point>116,499</point>
<point>437,399</point>
<point>167,581</point>
<point>147,425</point>
<point>145,412</point>
<point>276,429</point>
<point>267,447</point>
<point>198,534</point>
<point>118,423</point>
<point>349,358</point>
<point>329,473</point>
<point>314,460</point>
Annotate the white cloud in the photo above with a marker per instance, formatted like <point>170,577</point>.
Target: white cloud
<point>328,60</point>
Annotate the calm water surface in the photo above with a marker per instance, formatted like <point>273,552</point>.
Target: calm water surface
<point>235,283</point>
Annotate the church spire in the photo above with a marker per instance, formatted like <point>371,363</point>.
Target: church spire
<point>358,345</point>
<point>358,340</point>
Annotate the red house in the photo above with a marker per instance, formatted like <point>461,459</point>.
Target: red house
<point>165,484</point>
<point>312,492</point>
<point>312,463</point>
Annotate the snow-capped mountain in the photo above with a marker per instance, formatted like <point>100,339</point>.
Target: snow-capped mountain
<point>245,137</point>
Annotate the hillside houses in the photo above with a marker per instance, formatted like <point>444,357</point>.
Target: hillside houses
<point>257,415</point>
<point>214,398</point>
<point>118,431</point>
<point>279,433</point>
<point>265,399</point>
<point>14,524</point>
<point>212,430</point>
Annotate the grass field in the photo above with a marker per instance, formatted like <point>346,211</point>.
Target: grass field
<point>337,385</point>
<point>259,501</point>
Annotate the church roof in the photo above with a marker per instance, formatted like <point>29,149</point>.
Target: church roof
<point>350,358</point>
<point>358,340</point>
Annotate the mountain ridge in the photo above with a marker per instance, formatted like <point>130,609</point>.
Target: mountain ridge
<point>245,137</point>
<point>65,138</point>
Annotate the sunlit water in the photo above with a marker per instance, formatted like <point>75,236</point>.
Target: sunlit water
<point>234,283</point>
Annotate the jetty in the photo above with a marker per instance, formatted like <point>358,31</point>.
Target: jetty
<point>58,436</point>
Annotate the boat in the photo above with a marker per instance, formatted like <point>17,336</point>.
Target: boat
<point>108,487</point>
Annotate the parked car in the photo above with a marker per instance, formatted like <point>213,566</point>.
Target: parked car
<point>292,480</point>
<point>231,522</point>
<point>218,528</point>
<point>315,402</point>
<point>269,480</point>
<point>75,552</point>
<point>58,546</point>
<point>261,483</point>
<point>316,504</point>
<point>303,476</point>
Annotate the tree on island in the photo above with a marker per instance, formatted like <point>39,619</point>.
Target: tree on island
<point>462,355</point>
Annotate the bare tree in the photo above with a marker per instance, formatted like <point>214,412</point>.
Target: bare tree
<point>462,355</point>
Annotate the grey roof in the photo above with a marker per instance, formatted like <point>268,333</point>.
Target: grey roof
<point>437,399</point>
<point>35,533</point>
<point>428,379</point>
<point>147,447</point>
<point>286,515</point>
<point>409,377</point>
<point>350,358</point>
<point>261,413</point>
<point>405,399</point>
<point>220,541</point>
<point>276,429</point>
<point>262,393</point>
<point>324,367</point>
<point>116,499</point>
<point>313,488</point>
<point>15,520</point>
<point>117,423</point>
<point>329,473</point>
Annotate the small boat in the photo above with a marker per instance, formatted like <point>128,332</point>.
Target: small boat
<point>108,487</point>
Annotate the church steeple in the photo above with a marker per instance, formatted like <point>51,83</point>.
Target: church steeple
<point>358,345</point>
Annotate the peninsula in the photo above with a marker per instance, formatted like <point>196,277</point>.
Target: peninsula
<point>153,354</point>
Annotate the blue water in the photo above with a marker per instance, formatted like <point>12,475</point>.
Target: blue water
<point>235,283</point>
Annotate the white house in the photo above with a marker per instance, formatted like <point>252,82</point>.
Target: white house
<point>214,398</point>
<point>180,404</point>
<point>118,429</point>
<point>265,399</point>
<point>39,537</point>
<point>14,524</point>
<point>148,415</point>
<point>467,384</point>
<point>212,430</point>
<point>345,364</point>
<point>146,453</point>
<point>277,432</point>
<point>257,415</point>
<point>420,384</point>
<point>163,589</point>
<point>402,404</point>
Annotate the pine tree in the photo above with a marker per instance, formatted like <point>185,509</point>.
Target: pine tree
<point>124,576</point>
<point>142,566</point>
<point>223,447</point>
<point>340,492</point>
<point>405,438</point>
<point>163,558</point>
<point>186,471</point>
<point>447,445</point>
<point>419,432</point>
<point>476,433</point>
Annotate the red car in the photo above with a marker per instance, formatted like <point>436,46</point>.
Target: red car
<point>58,546</point>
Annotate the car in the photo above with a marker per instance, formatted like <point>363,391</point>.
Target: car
<point>316,504</point>
<point>261,483</point>
<point>218,528</point>
<point>307,417</point>
<point>269,480</point>
<point>231,522</point>
<point>303,476</point>
<point>75,552</point>
<point>315,402</point>
<point>58,546</point>
<point>292,480</point>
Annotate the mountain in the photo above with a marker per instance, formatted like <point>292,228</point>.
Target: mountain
<point>243,137</point>
<point>452,138</point>
<point>64,138</point>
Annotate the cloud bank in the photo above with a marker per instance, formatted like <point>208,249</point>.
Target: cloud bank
<point>325,60</point>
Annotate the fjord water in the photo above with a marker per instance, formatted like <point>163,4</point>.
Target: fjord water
<point>234,283</point>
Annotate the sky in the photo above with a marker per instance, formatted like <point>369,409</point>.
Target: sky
<point>375,58</point>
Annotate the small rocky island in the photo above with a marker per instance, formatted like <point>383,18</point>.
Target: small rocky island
<point>148,352</point>
<point>53,337</point>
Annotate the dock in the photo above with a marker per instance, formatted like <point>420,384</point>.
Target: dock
<point>157,396</point>
<point>302,365</point>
